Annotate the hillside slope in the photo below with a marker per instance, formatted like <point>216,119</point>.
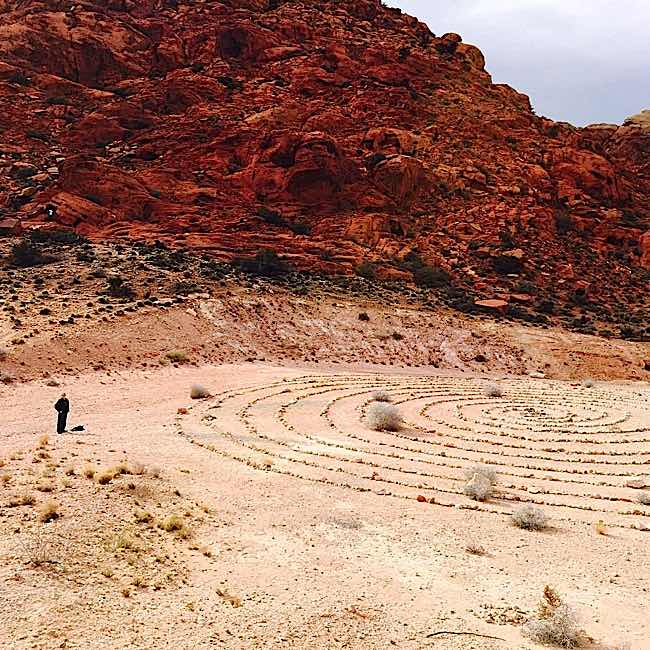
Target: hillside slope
<point>333,133</point>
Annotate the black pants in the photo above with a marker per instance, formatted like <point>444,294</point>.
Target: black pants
<point>61,421</point>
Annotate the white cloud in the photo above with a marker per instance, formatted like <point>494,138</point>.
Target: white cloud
<point>579,61</point>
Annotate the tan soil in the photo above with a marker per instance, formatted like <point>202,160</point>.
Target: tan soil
<point>315,562</point>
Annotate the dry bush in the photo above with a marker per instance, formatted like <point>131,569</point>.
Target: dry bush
<point>199,392</point>
<point>473,547</point>
<point>119,469</point>
<point>529,517</point>
<point>489,472</point>
<point>48,512</point>
<point>27,499</point>
<point>142,516</point>
<point>494,390</point>
<point>5,478</point>
<point>105,477</point>
<point>155,472</point>
<point>42,441</point>
<point>4,353</point>
<point>383,417</point>
<point>177,356</point>
<point>382,396</point>
<point>69,470</point>
<point>44,486</point>
<point>89,471</point>
<point>478,488</point>
<point>644,498</point>
<point>138,469</point>
<point>175,524</point>
<point>556,623</point>
<point>588,383</point>
<point>3,462</point>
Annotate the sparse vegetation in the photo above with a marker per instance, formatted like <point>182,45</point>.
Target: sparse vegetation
<point>588,383</point>
<point>177,356</point>
<point>644,498</point>
<point>478,488</point>
<point>383,417</point>
<point>382,396</point>
<point>48,512</point>
<point>555,624</point>
<point>529,517</point>
<point>199,392</point>
<point>89,471</point>
<point>105,476</point>
<point>493,390</point>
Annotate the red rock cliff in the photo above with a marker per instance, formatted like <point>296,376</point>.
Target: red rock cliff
<point>332,132</point>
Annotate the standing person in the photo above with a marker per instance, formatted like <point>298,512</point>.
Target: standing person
<point>63,408</point>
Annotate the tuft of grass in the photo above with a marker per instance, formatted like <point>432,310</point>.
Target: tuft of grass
<point>588,383</point>
<point>105,477</point>
<point>48,512</point>
<point>69,470</point>
<point>175,524</point>
<point>199,392</point>
<point>489,472</point>
<point>383,417</point>
<point>473,547</point>
<point>89,471</point>
<point>382,396</point>
<point>27,499</point>
<point>44,486</point>
<point>142,516</point>
<point>529,517</point>
<point>5,478</point>
<point>600,527</point>
<point>177,356</point>
<point>43,441</point>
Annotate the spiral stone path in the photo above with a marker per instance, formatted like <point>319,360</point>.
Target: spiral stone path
<point>568,449</point>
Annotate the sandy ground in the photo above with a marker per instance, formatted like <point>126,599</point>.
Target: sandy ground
<point>310,521</point>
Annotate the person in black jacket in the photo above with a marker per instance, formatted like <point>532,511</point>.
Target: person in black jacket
<point>63,408</point>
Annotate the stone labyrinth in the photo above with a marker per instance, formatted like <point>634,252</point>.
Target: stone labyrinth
<point>569,449</point>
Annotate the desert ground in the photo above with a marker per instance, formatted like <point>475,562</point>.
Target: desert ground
<point>270,514</point>
<point>300,527</point>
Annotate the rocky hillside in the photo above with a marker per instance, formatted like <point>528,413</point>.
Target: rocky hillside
<point>347,137</point>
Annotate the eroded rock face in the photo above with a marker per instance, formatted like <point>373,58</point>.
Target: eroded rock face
<point>179,121</point>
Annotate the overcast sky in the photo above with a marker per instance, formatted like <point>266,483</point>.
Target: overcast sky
<point>579,61</point>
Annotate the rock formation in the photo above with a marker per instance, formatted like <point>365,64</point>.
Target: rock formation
<point>334,133</point>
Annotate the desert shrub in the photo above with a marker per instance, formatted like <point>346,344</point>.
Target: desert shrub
<point>55,236</point>
<point>363,316</point>
<point>4,353</point>
<point>199,392</point>
<point>24,255</point>
<point>529,517</point>
<point>89,471</point>
<point>118,287</point>
<point>382,396</point>
<point>478,488</point>
<point>105,477</point>
<point>48,512</point>
<point>555,624</point>
<point>494,390</point>
<point>177,356</point>
<point>489,472</point>
<point>644,498</point>
<point>588,383</point>
<point>383,417</point>
<point>172,523</point>
<point>366,270</point>
<point>265,263</point>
